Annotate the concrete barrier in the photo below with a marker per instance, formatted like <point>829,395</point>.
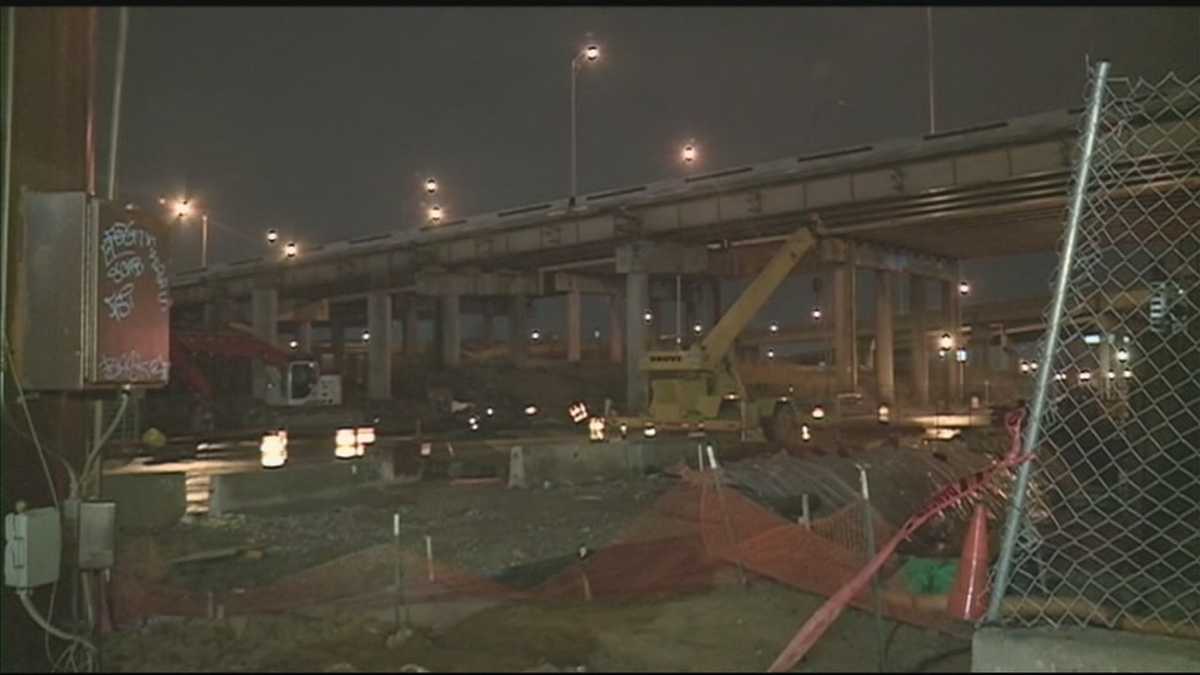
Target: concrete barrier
<point>146,502</point>
<point>582,462</point>
<point>1072,650</point>
<point>255,489</point>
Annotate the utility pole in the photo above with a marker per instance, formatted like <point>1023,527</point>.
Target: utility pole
<point>929,34</point>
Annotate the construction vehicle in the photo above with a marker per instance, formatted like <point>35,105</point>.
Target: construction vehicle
<point>700,387</point>
<point>212,381</point>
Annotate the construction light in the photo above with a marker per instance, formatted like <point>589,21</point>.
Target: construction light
<point>1060,376</point>
<point>430,185</point>
<point>365,435</point>
<point>473,421</point>
<point>816,313</point>
<point>1085,376</point>
<point>774,327</point>
<point>649,431</point>
<point>345,444</point>
<point>591,52</point>
<point>182,208</point>
<point>884,413</point>
<point>490,412</point>
<point>770,353</point>
<point>1122,355</point>
<point>272,236</point>
<point>366,336</point>
<point>731,396</point>
<point>531,410</point>
<point>818,412</point>
<point>294,344</point>
<point>435,214</point>
<point>647,317</point>
<point>805,433</point>
<point>1127,373</point>
<point>290,249</point>
<point>535,335</point>
<point>1024,367</point>
<point>596,429</point>
<point>697,328</point>
<point>960,355</point>
<point>624,429</point>
<point>945,342</point>
<point>964,287</point>
<point>272,451</point>
<point>1092,339</point>
<point>1033,365</point>
<point>1112,375</point>
<point>578,412</point>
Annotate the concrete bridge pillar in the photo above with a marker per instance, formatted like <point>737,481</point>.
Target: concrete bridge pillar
<point>616,328</point>
<point>845,347</point>
<point>412,325</point>
<point>304,335</point>
<point>518,329</point>
<point>379,347</point>
<point>920,340</point>
<point>637,292</point>
<point>952,316</point>
<point>450,322</point>
<point>487,329</point>
<point>885,335</point>
<point>337,343</point>
<point>997,355</point>
<point>264,321</point>
<point>574,326</point>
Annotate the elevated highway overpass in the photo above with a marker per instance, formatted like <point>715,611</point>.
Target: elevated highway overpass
<point>910,209</point>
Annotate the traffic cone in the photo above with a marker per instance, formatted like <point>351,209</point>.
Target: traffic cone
<point>968,597</point>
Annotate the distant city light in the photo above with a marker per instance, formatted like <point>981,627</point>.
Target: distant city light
<point>272,236</point>
<point>435,214</point>
<point>294,344</point>
<point>774,327</point>
<point>818,412</point>
<point>689,153</point>
<point>647,316</point>
<point>591,52</point>
<point>964,287</point>
<point>697,328</point>
<point>816,313</point>
<point>1092,338</point>
<point>431,185</point>
<point>1122,355</point>
<point>366,335</point>
<point>290,249</point>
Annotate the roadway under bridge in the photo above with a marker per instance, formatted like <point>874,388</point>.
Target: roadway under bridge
<point>905,211</point>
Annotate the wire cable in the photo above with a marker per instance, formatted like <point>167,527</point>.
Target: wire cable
<point>32,428</point>
<point>23,594</point>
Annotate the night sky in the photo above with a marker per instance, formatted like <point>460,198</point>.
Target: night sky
<point>323,122</point>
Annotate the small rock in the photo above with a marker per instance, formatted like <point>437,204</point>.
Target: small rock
<point>399,637</point>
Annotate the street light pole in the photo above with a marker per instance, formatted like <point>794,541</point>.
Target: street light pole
<point>574,71</point>
<point>204,241</point>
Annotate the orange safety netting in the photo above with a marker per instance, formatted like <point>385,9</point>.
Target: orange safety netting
<point>690,539</point>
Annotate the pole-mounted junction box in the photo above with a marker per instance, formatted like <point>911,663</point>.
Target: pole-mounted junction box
<point>32,548</point>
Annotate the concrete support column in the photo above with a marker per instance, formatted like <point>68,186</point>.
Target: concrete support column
<point>885,335</point>
<point>637,292</point>
<point>998,354</point>
<point>304,335</point>
<point>379,347</point>
<point>845,347</point>
<point>715,290</point>
<point>487,332</point>
<point>574,326</point>
<point>450,322</point>
<point>952,316</point>
<point>264,321</point>
<point>412,326</point>
<point>518,329</point>
<point>920,347</point>
<point>616,328</point>
<point>337,342</point>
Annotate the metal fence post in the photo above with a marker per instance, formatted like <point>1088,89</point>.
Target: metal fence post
<point>1033,431</point>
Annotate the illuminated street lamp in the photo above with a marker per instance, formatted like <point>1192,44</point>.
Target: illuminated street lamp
<point>431,185</point>
<point>816,313</point>
<point>960,355</point>
<point>589,54</point>
<point>1122,355</point>
<point>182,208</point>
<point>366,336</point>
<point>964,287</point>
<point>770,353</point>
<point>1033,366</point>
<point>1127,373</point>
<point>884,413</point>
<point>435,214</point>
<point>945,342</point>
<point>1085,376</point>
<point>697,328</point>
<point>774,327</point>
<point>688,153</point>
<point>294,344</point>
<point>1024,367</point>
<point>818,412</point>
<point>290,249</point>
<point>535,335</point>
<point>647,317</point>
<point>272,236</point>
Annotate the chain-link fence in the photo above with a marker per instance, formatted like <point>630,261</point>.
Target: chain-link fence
<point>1108,531</point>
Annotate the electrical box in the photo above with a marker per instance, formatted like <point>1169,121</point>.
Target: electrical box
<point>32,548</point>
<point>95,306</point>
<point>97,535</point>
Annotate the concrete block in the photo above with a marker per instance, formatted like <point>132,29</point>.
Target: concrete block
<point>233,492</point>
<point>146,502</point>
<point>1071,650</point>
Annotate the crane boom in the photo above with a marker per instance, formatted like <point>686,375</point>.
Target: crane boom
<point>720,339</point>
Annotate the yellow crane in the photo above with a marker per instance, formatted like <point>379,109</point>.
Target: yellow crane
<point>699,387</point>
